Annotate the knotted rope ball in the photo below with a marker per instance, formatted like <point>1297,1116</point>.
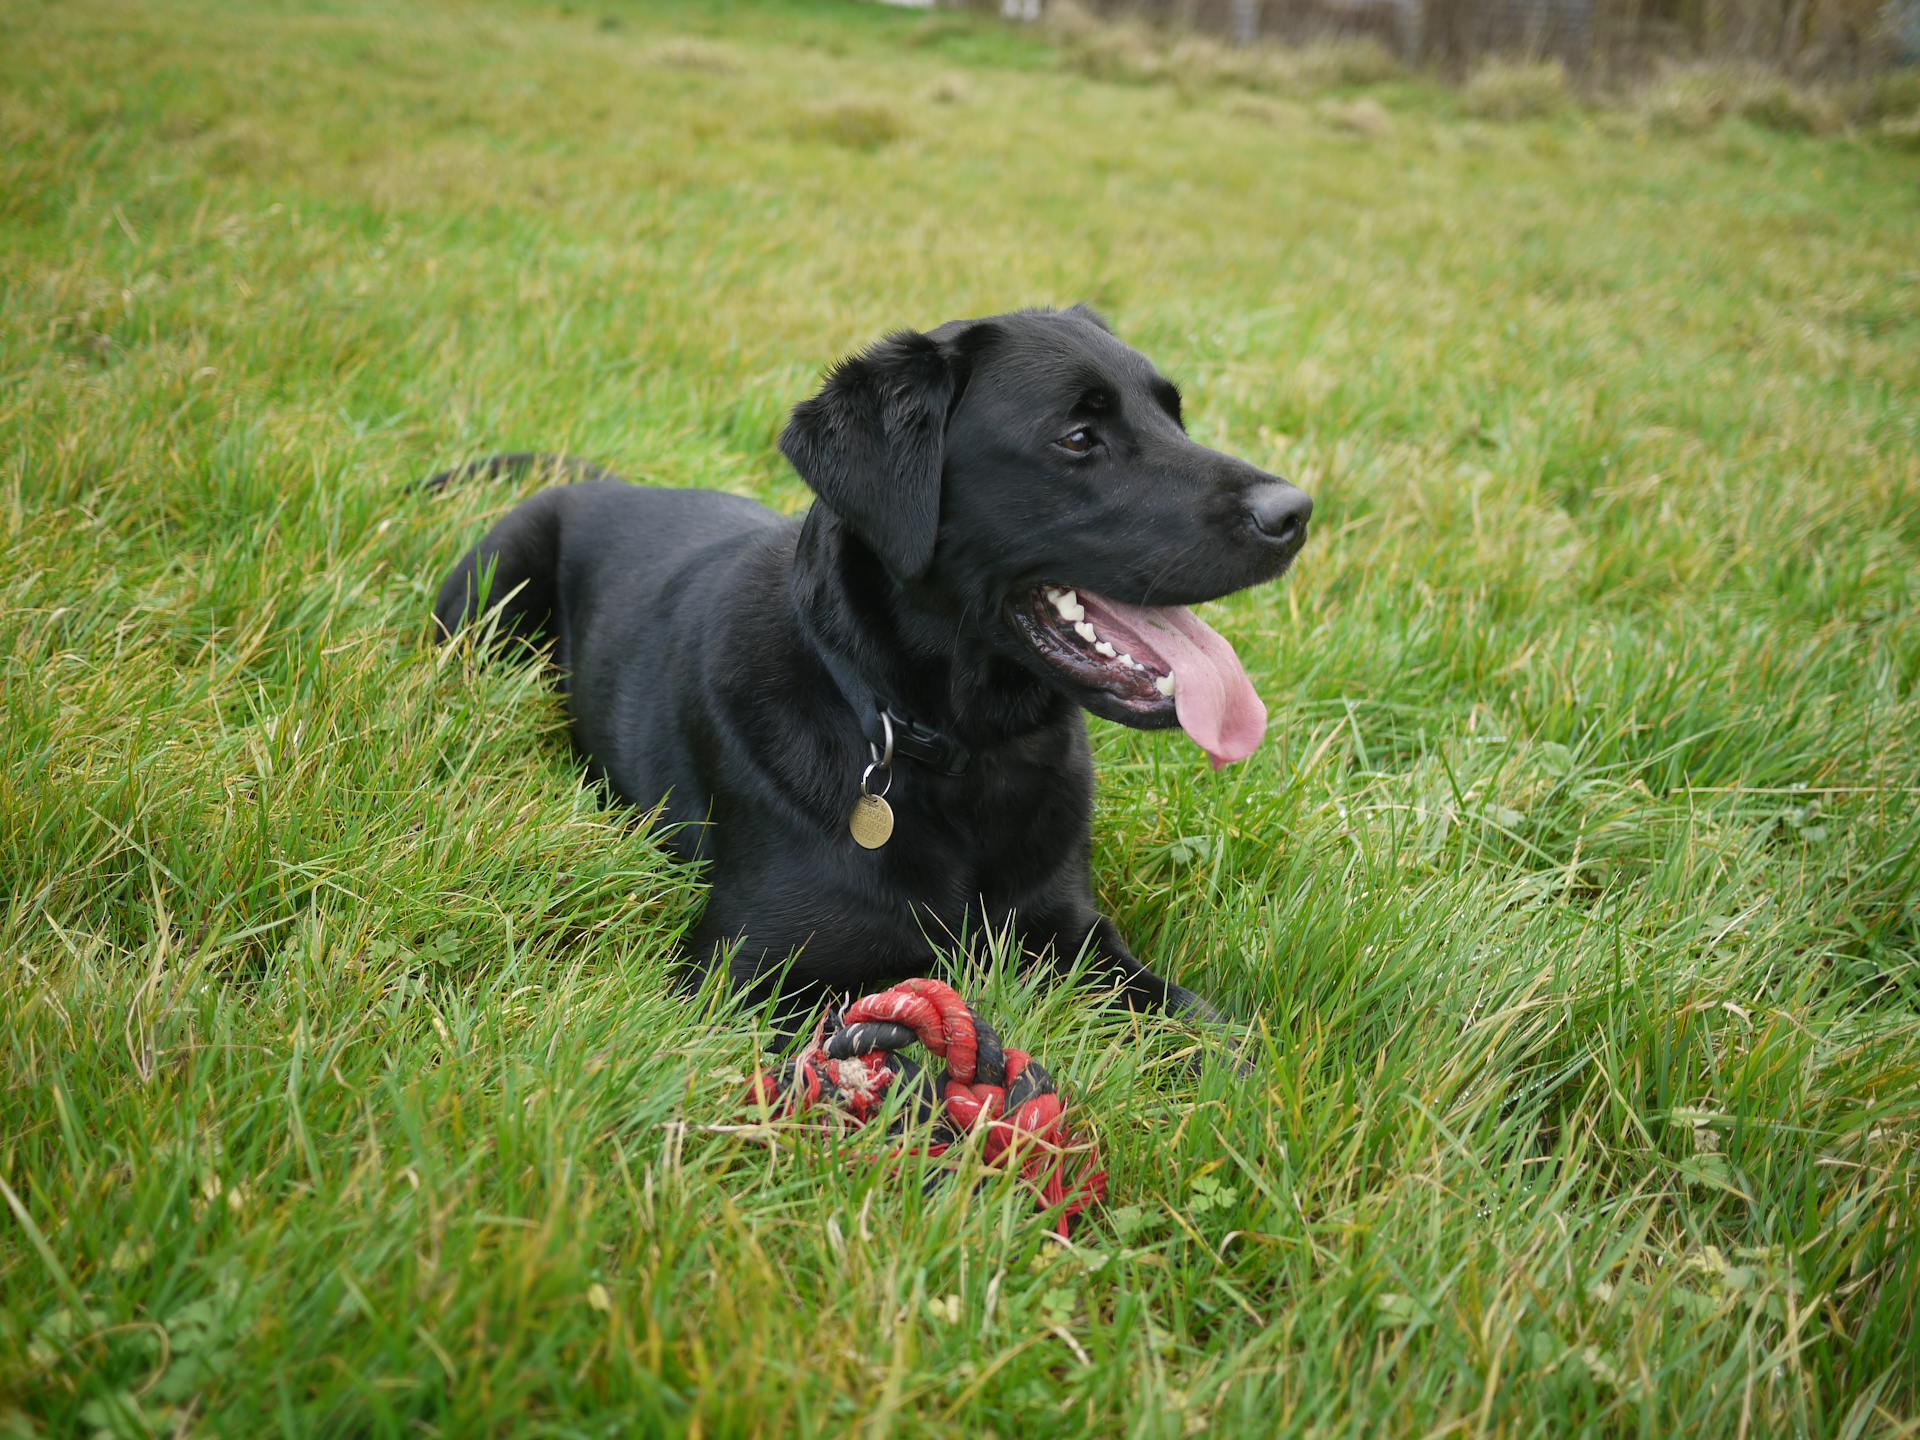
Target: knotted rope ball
<point>854,1062</point>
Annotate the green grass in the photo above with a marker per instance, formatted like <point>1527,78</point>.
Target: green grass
<point>1573,897</point>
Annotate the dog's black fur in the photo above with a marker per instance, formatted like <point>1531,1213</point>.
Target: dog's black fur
<point>956,471</point>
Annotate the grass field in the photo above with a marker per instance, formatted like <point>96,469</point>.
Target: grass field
<point>1574,898</point>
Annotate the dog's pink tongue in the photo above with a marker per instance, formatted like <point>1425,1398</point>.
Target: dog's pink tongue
<point>1212,696</point>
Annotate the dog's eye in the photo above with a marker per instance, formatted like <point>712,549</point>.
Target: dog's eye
<point>1076,442</point>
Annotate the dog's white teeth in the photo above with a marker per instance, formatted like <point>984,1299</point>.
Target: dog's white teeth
<point>1129,660</point>
<point>1164,685</point>
<point>1068,604</point>
<point>1085,632</point>
<point>1104,648</point>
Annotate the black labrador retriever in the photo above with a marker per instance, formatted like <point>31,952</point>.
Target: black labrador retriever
<point>867,721</point>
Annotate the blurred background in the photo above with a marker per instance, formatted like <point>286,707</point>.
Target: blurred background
<point>1605,37</point>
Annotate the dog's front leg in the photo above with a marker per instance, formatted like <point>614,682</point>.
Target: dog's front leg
<point>1140,988</point>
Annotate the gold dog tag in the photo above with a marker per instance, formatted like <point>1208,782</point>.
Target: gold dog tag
<point>871,823</point>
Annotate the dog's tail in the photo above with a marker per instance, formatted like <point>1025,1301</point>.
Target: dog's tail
<point>514,563</point>
<point>510,467</point>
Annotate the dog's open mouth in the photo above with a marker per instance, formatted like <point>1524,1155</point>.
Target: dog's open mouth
<point>1159,664</point>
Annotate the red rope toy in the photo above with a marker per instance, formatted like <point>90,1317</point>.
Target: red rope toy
<point>853,1063</point>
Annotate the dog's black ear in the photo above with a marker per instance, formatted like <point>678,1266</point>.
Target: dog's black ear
<point>872,442</point>
<point>1087,312</point>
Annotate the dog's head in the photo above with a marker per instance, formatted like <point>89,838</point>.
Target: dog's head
<point>1031,474</point>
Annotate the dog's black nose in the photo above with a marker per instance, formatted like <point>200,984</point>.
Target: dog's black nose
<point>1279,511</point>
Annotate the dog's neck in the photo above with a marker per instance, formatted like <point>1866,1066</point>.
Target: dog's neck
<point>908,645</point>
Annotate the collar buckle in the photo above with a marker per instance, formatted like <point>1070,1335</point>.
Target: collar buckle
<point>924,744</point>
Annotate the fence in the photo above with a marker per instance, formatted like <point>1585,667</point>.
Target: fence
<point>1802,37</point>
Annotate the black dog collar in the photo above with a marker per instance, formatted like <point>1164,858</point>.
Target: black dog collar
<point>933,748</point>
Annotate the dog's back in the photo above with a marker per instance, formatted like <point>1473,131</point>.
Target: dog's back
<point>613,577</point>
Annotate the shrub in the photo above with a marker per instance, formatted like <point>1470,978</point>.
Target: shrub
<point>1685,102</point>
<point>1363,117</point>
<point>1893,95</point>
<point>949,90</point>
<point>1067,20</point>
<point>690,54</point>
<point>1692,98</point>
<point>1354,60</point>
<point>1517,90</point>
<point>852,124</point>
<point>1267,112</point>
<point>1135,54</point>
<point>1776,104</point>
<point>1116,52</point>
<point>1197,62</point>
<point>1902,132</point>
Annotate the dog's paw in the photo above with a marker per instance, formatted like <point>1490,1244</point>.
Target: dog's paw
<point>1222,1040</point>
<point>1186,1005</point>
